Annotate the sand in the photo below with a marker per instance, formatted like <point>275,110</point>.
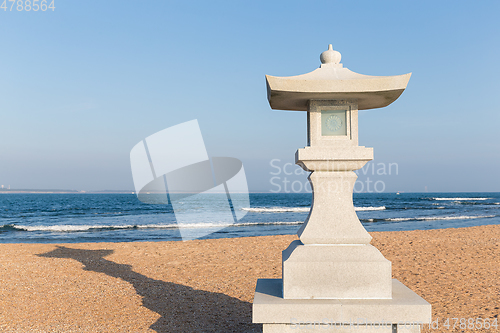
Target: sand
<point>208,285</point>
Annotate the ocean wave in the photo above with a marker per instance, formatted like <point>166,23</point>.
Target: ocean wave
<point>358,209</point>
<point>300,209</point>
<point>82,228</point>
<point>68,228</point>
<point>399,219</point>
<point>434,218</point>
<point>277,209</point>
<point>460,199</point>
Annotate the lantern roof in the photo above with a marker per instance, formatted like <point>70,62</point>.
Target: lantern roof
<point>331,81</point>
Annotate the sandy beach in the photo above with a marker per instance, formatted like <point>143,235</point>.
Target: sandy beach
<point>208,285</point>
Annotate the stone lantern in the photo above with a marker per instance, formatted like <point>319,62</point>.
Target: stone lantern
<point>333,279</point>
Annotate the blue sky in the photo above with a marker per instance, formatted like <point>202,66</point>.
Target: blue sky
<point>82,84</point>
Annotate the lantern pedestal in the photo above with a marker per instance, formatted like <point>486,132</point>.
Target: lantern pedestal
<point>332,219</point>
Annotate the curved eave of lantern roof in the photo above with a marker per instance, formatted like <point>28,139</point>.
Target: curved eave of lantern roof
<point>333,82</point>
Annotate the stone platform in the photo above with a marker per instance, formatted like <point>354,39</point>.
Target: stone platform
<point>356,315</point>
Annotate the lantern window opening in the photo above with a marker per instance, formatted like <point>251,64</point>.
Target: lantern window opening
<point>332,122</point>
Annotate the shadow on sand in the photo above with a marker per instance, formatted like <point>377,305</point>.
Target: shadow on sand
<point>182,308</point>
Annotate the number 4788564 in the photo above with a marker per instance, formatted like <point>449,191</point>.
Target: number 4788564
<point>27,5</point>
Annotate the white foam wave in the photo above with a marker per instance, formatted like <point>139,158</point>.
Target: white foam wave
<point>74,228</point>
<point>69,228</point>
<point>358,209</point>
<point>215,225</point>
<point>434,218</point>
<point>461,199</point>
<point>269,223</point>
<point>277,209</point>
<point>299,209</point>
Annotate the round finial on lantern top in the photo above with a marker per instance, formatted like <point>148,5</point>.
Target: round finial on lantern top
<point>330,56</point>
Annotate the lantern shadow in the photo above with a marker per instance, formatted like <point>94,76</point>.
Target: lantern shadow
<point>182,308</point>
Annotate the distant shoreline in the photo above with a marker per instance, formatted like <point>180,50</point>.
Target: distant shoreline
<point>7,191</point>
<point>3,191</point>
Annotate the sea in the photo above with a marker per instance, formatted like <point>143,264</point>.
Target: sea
<point>85,217</point>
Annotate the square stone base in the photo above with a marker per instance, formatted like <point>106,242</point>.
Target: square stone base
<point>335,272</point>
<point>406,308</point>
